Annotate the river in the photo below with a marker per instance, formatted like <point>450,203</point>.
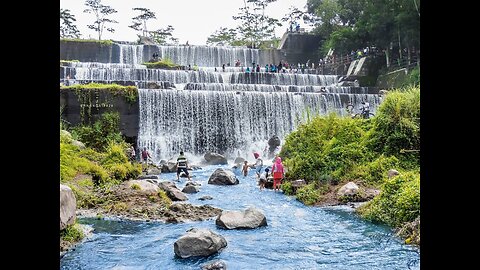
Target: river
<point>297,236</point>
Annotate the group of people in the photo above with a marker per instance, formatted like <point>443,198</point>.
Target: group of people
<point>277,171</point>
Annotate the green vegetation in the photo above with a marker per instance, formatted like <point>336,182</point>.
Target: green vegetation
<point>101,133</point>
<point>164,63</point>
<point>329,150</point>
<point>398,203</point>
<point>130,92</point>
<point>413,78</point>
<point>66,62</point>
<point>72,233</point>
<point>101,42</point>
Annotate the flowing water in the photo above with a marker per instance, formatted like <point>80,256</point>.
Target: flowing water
<point>296,237</point>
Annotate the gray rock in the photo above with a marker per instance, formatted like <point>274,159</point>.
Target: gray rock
<point>190,189</point>
<point>205,198</point>
<point>78,144</point>
<point>215,265</point>
<point>65,136</point>
<point>215,159</point>
<point>391,173</point>
<point>348,189</point>
<point>68,206</point>
<point>298,183</point>
<point>153,171</point>
<point>239,160</point>
<point>172,191</point>
<point>223,177</point>
<point>199,242</point>
<point>141,177</point>
<point>251,218</point>
<point>145,186</point>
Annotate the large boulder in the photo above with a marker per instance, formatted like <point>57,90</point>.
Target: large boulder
<point>239,160</point>
<point>78,144</point>
<point>168,166</point>
<point>391,173</point>
<point>199,242</point>
<point>190,189</point>
<point>143,186</point>
<point>144,177</point>
<point>273,143</point>
<point>223,177</point>
<point>251,218</point>
<point>349,189</point>
<point>65,136</point>
<point>172,191</point>
<point>68,206</point>
<point>215,159</point>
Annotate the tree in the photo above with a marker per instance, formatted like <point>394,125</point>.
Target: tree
<point>164,36</point>
<point>294,15</point>
<point>223,36</point>
<point>255,26</point>
<point>140,21</point>
<point>67,27</point>
<point>101,12</point>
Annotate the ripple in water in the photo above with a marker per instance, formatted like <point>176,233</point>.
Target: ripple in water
<point>297,236</point>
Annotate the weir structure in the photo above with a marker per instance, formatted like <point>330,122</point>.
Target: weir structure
<point>229,112</point>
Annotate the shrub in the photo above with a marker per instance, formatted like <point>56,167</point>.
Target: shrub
<point>164,198</point>
<point>397,126</point>
<point>101,133</point>
<point>287,188</point>
<point>135,187</point>
<point>72,233</point>
<point>399,201</point>
<point>308,194</point>
<point>374,172</point>
<point>164,63</point>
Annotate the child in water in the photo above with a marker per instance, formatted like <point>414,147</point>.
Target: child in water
<point>245,168</point>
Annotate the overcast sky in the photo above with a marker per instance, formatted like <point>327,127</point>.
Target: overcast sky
<point>193,20</point>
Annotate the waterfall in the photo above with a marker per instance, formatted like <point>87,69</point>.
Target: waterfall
<point>200,121</point>
<point>215,110</point>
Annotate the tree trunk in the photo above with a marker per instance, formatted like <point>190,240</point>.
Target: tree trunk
<point>387,58</point>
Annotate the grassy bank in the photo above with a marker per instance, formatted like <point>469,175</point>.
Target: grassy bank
<point>330,151</point>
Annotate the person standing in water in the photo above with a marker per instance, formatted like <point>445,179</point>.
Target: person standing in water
<point>277,172</point>
<point>258,163</point>
<point>245,168</point>
<point>182,165</point>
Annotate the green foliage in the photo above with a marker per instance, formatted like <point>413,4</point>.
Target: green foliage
<point>287,188</point>
<point>101,42</point>
<point>72,233</point>
<point>135,187</point>
<point>399,201</point>
<point>326,146</point>
<point>67,62</point>
<point>65,136</point>
<point>164,63</point>
<point>140,21</point>
<point>101,13</point>
<point>130,92</point>
<point>101,133</point>
<point>164,36</point>
<point>413,78</point>
<point>374,172</point>
<point>397,126</point>
<point>67,27</point>
<point>308,194</point>
<point>164,198</point>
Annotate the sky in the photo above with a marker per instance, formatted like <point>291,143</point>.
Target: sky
<point>193,20</point>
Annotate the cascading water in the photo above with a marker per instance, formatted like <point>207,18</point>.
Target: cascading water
<point>214,110</point>
<point>200,121</point>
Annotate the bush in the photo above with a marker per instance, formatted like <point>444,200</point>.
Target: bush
<point>101,133</point>
<point>399,201</point>
<point>308,194</point>
<point>72,233</point>
<point>374,172</point>
<point>164,63</point>
<point>287,188</point>
<point>397,126</point>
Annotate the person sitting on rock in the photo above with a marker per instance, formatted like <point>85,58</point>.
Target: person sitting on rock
<point>182,165</point>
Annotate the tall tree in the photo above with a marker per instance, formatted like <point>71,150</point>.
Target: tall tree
<point>67,27</point>
<point>164,36</point>
<point>255,26</point>
<point>294,15</point>
<point>223,36</point>
<point>101,13</point>
<point>140,21</point>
